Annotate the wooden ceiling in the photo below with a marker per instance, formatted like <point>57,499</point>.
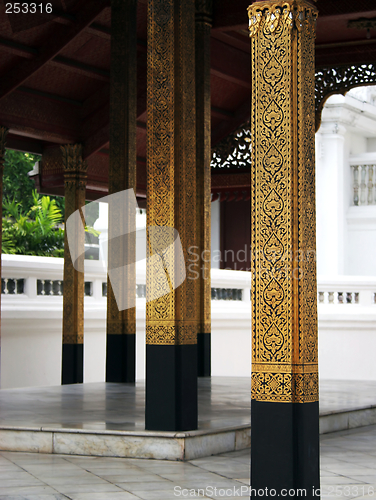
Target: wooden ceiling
<point>55,71</point>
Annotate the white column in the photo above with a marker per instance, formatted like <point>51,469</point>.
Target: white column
<point>331,199</point>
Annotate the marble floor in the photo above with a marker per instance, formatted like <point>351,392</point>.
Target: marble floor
<point>222,402</point>
<point>348,470</point>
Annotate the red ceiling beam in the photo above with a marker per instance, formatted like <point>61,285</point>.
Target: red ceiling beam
<point>78,67</point>
<point>62,37</point>
<point>236,40</point>
<point>335,8</point>
<point>230,64</point>
<point>232,16</point>
<point>241,115</point>
<point>346,53</point>
<point>28,114</point>
<point>97,140</point>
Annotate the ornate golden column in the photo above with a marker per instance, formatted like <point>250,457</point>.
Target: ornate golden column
<point>203,158</point>
<point>285,445</point>
<point>3,137</point>
<point>121,325</point>
<point>171,320</point>
<point>73,298</point>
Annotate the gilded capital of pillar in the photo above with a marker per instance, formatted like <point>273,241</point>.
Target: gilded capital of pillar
<point>273,14</point>
<point>75,168</point>
<point>204,11</point>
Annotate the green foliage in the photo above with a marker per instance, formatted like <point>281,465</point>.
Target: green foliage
<point>37,232</point>
<point>32,224</point>
<point>17,185</point>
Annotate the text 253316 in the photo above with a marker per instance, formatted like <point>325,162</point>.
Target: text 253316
<point>26,8</point>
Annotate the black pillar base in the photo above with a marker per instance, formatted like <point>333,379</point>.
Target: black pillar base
<point>121,358</point>
<point>72,371</point>
<point>204,354</point>
<point>285,448</point>
<point>171,387</point>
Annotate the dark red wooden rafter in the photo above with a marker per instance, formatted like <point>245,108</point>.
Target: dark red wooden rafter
<point>56,114</point>
<point>62,37</point>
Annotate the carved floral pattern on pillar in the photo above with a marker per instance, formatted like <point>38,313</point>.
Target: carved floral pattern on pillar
<point>284,308</point>
<point>75,173</point>
<point>171,165</point>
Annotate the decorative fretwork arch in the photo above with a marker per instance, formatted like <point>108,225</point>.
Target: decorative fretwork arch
<point>339,80</point>
<point>235,150</point>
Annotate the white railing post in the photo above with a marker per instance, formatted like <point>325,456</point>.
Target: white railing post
<point>370,185</point>
<point>246,294</point>
<point>356,185</point>
<point>363,185</point>
<point>97,289</point>
<point>31,287</point>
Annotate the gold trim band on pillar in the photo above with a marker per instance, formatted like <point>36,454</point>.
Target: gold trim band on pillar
<point>171,162</point>
<point>284,291</point>
<point>75,175</point>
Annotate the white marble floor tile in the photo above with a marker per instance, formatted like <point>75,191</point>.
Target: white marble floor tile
<point>29,490</point>
<point>52,496</point>
<point>56,481</point>
<point>67,489</point>
<point>345,464</point>
<point>121,478</point>
<point>132,486</point>
<point>338,480</point>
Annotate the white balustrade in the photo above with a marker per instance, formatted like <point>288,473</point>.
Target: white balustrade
<point>364,188</point>
<point>49,282</point>
<point>32,323</point>
<point>352,291</point>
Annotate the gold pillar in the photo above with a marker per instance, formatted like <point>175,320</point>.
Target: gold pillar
<point>3,137</point>
<point>284,360</point>
<point>121,325</point>
<point>73,298</point>
<point>203,187</point>
<point>172,320</point>
<point>283,242</point>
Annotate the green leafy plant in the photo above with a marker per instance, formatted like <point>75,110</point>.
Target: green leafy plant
<point>33,224</point>
<point>39,232</point>
<point>17,185</point>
